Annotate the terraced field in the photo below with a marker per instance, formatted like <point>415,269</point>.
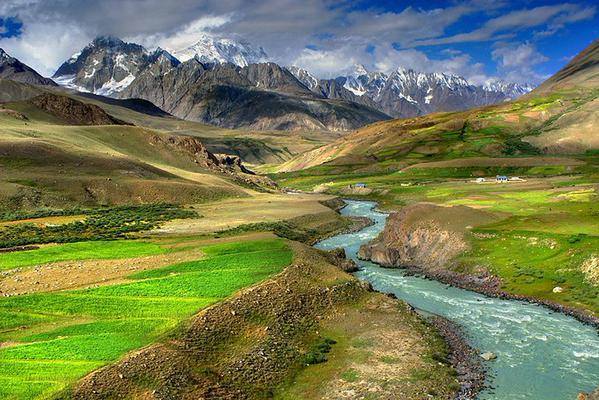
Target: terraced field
<point>49,340</point>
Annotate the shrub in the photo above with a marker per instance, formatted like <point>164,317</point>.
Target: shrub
<point>318,353</point>
<point>99,224</point>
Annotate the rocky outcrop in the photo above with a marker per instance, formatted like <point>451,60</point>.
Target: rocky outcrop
<point>589,396</point>
<point>338,257</point>
<point>403,244</point>
<point>233,163</point>
<point>74,112</point>
<point>230,165</point>
<point>187,146</point>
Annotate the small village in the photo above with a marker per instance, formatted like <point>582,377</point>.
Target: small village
<point>499,179</point>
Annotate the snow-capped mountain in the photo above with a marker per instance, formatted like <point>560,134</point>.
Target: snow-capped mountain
<point>209,49</point>
<point>512,90</point>
<point>108,65</point>
<point>407,93</point>
<point>304,77</point>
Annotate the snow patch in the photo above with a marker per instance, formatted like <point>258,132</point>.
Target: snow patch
<point>112,86</point>
<point>68,81</point>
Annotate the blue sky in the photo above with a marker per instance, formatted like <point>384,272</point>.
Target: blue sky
<point>482,40</point>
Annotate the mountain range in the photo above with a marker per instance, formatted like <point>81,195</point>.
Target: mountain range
<point>109,66</point>
<point>407,93</point>
<point>220,85</point>
<point>558,117</point>
<point>229,83</point>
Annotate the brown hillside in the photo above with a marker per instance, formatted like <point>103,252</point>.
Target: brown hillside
<point>73,111</point>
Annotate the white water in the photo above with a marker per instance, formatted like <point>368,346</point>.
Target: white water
<point>542,355</point>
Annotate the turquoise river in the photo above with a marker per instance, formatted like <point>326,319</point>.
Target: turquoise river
<point>541,354</point>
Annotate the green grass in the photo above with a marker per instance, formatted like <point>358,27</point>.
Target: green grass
<point>542,262</point>
<point>56,338</point>
<point>80,251</point>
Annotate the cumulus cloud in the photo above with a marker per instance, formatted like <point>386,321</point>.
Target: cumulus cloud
<point>44,46</point>
<point>181,38</point>
<point>517,61</point>
<point>330,63</point>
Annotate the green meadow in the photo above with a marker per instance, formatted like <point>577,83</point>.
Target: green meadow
<point>52,339</point>
<point>80,251</point>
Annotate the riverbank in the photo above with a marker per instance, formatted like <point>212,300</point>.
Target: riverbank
<point>487,285</point>
<point>428,240</point>
<point>463,357</point>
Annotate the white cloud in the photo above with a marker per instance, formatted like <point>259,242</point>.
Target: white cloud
<point>182,38</point>
<point>517,61</point>
<point>329,63</point>
<point>44,46</point>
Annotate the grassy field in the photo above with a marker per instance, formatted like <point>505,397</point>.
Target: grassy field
<point>80,251</point>
<point>49,340</point>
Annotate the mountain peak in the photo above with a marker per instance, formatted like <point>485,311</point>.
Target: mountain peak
<point>210,49</point>
<point>359,70</point>
<point>14,70</point>
<point>107,41</point>
<point>4,56</point>
<point>303,76</point>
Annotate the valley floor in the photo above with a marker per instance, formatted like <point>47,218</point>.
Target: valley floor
<point>128,309</point>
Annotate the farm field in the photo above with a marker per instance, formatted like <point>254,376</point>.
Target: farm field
<point>51,339</point>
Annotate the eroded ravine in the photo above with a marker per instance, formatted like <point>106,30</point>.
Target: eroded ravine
<point>542,354</point>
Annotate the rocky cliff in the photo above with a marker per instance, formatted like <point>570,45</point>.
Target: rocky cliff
<point>427,238</point>
<point>407,242</point>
